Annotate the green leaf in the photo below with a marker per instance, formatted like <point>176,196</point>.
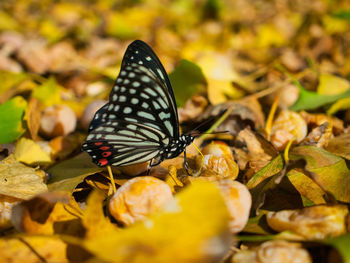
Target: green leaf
<point>48,93</point>
<point>343,14</point>
<point>309,100</point>
<point>275,166</point>
<point>186,79</point>
<point>66,175</point>
<point>342,244</point>
<point>11,115</point>
<point>329,171</point>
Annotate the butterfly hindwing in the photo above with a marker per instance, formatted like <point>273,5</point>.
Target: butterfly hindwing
<point>122,143</point>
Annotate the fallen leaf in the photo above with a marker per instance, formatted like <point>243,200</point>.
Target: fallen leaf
<point>187,79</point>
<point>332,85</point>
<point>29,152</point>
<point>10,79</point>
<point>32,116</point>
<point>322,164</point>
<point>309,100</point>
<point>18,180</point>
<point>66,175</point>
<point>32,249</point>
<point>48,93</point>
<point>11,115</point>
<point>48,213</point>
<point>185,231</point>
<point>340,145</point>
<point>342,244</point>
<point>96,224</point>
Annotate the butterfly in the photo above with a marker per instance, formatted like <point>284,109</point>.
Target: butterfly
<point>140,121</point>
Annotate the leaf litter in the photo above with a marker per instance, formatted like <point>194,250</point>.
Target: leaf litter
<point>268,79</point>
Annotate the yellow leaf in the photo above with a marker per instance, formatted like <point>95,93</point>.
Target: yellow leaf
<point>21,249</point>
<point>219,73</point>
<point>332,85</point>
<point>18,180</point>
<point>186,230</point>
<point>269,35</point>
<point>29,152</point>
<point>220,90</point>
<point>96,224</point>
<point>48,213</point>
<point>334,25</point>
<point>341,104</point>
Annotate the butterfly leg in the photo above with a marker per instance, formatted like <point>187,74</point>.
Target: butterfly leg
<point>149,166</point>
<point>186,164</point>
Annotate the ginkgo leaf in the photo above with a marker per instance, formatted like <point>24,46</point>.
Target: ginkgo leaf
<point>19,180</point>
<point>186,230</point>
<point>29,152</point>
<point>66,175</point>
<point>94,220</point>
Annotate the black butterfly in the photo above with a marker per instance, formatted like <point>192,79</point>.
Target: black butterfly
<point>140,122</point>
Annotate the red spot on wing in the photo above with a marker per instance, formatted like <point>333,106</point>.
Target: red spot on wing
<point>103,148</point>
<point>106,154</point>
<point>102,162</point>
<point>98,143</point>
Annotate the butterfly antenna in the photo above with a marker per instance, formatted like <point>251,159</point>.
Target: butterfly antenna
<point>111,177</point>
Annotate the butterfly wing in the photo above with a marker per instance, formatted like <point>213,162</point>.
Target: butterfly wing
<point>121,143</point>
<point>138,96</point>
<point>140,53</point>
<point>141,115</point>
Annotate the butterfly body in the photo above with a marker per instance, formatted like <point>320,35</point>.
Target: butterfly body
<point>140,122</point>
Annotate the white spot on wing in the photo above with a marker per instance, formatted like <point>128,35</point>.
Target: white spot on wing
<point>136,84</point>
<point>150,91</point>
<point>122,98</point>
<point>127,110</point>
<point>145,79</point>
<point>160,73</point>
<point>148,58</point>
<point>146,115</point>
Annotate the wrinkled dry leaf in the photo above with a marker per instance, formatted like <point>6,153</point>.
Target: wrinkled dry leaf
<point>18,180</point>
<point>340,145</point>
<point>32,116</point>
